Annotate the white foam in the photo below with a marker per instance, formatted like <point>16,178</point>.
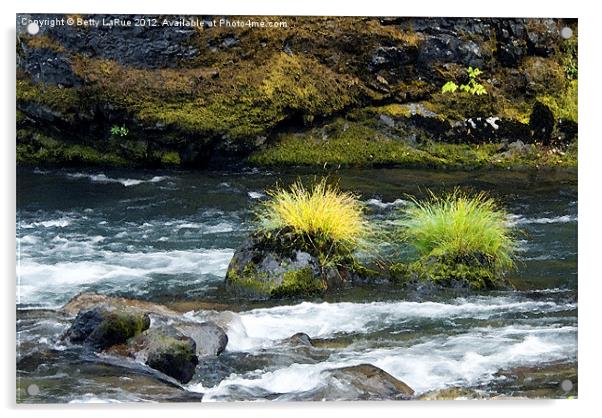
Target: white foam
<point>465,359</point>
<point>103,178</point>
<point>256,195</point>
<point>384,205</point>
<point>206,228</point>
<point>264,326</point>
<point>51,223</point>
<point>61,280</point>
<point>514,219</point>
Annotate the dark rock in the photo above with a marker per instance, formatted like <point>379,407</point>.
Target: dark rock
<point>567,130</point>
<point>541,123</point>
<point>49,67</point>
<point>362,382</point>
<point>84,324</point>
<point>167,350</point>
<point>100,328</point>
<point>389,57</point>
<point>210,339</point>
<point>141,46</point>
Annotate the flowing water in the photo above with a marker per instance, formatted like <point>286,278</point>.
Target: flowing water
<point>168,237</point>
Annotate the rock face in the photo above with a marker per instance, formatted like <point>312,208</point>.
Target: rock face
<point>363,382</point>
<point>173,88</point>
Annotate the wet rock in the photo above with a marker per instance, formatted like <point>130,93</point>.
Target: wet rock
<point>541,122</point>
<point>299,339</point>
<point>87,301</point>
<point>210,339</point>
<point>455,393</point>
<point>100,328</point>
<point>167,350</point>
<point>362,382</point>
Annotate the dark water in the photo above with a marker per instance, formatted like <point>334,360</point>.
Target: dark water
<point>169,236</point>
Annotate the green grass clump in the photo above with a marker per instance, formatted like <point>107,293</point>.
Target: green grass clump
<point>467,237</point>
<point>326,220</point>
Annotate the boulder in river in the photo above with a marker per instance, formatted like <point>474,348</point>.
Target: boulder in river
<point>101,328</point>
<point>210,338</point>
<point>281,265</point>
<point>167,350</point>
<point>261,269</point>
<point>363,382</point>
<point>299,339</point>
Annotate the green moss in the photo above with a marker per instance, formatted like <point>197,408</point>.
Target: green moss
<point>346,143</point>
<point>123,325</point>
<point>35,148</point>
<point>350,143</point>
<point>249,282</point>
<point>42,42</point>
<point>564,105</point>
<point>64,100</point>
<point>241,102</point>
<point>443,272</point>
<point>170,158</point>
<point>299,283</point>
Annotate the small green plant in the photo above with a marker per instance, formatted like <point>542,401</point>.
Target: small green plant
<point>324,219</point>
<point>460,236</point>
<point>120,131</point>
<point>473,86</point>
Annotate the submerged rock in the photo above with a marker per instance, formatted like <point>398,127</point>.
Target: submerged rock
<point>363,382</point>
<point>167,350</point>
<point>100,328</point>
<point>299,339</point>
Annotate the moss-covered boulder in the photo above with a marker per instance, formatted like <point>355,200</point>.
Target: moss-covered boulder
<point>100,328</point>
<point>262,269</point>
<point>167,350</point>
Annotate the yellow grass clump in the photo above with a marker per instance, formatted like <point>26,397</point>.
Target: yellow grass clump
<point>329,219</point>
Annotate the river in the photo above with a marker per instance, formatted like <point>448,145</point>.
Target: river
<point>168,236</point>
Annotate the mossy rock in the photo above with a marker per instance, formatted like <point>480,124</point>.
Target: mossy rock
<point>474,272</point>
<point>167,350</point>
<point>100,328</point>
<point>264,269</point>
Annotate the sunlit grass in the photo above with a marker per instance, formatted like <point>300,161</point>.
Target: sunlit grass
<point>329,220</point>
<point>461,228</point>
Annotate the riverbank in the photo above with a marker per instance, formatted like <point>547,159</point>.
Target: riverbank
<point>358,92</point>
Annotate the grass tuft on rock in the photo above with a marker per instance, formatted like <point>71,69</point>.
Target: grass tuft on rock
<point>326,219</point>
<point>463,237</point>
